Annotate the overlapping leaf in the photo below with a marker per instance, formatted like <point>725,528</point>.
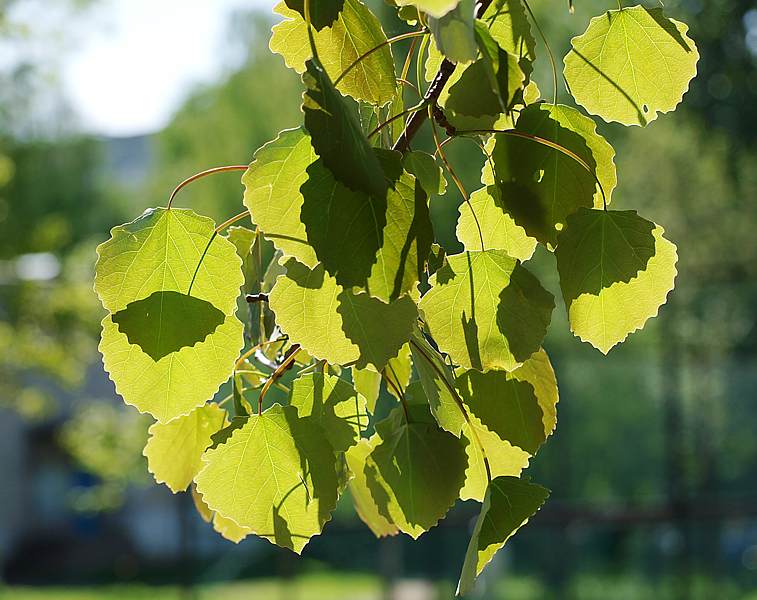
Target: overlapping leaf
<point>168,350</point>
<point>433,8</point>
<point>541,185</point>
<point>355,32</point>
<point>453,33</point>
<point>365,505</point>
<point>415,472</point>
<point>508,505</point>
<point>388,237</point>
<point>276,476</point>
<point>486,216</point>
<point>272,192</point>
<point>616,270</point>
<point>336,135</point>
<point>322,13</point>
<point>487,311</point>
<point>631,64</point>
<point>174,449</point>
<point>333,404</point>
<point>353,328</point>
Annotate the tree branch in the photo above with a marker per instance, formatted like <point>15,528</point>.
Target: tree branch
<point>434,91</point>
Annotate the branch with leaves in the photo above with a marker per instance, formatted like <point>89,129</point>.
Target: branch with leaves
<point>359,303</point>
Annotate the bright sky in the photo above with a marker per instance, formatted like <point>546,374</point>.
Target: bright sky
<point>129,63</point>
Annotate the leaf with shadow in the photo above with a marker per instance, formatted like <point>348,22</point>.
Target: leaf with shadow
<point>166,322</point>
<point>540,185</point>
<point>322,13</point>
<point>505,406</point>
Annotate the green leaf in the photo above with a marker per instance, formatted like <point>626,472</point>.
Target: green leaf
<point>354,33</point>
<point>631,64</point>
<point>616,270</point>
<point>168,352</point>
<point>322,13</point>
<point>336,135</point>
<point>472,94</point>
<point>272,192</point>
<point>508,505</point>
<point>352,328</point>
<point>174,449</point>
<point>453,33</point>
<point>508,403</point>
<point>367,383</point>
<point>438,384</point>
<point>487,311</point>
<point>540,185</point>
<point>426,171</point>
<point>229,530</point>
<point>509,26</point>
<point>388,238</point>
<point>498,229</point>
<point>334,405</point>
<point>276,475</point>
<point>433,8</point>
<point>365,505</point>
<point>415,473</point>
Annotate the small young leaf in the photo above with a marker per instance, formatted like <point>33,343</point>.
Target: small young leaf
<point>398,371</point>
<point>508,505</point>
<point>616,270</point>
<point>276,475</point>
<point>631,64</point>
<point>487,311</point>
<point>367,383</point>
<point>174,449</point>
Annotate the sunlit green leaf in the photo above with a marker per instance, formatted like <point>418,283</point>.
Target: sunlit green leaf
<point>453,33</point>
<point>508,505</point>
<point>631,64</point>
<point>276,475</point>
<point>334,405</point>
<point>355,32</point>
<point>433,8</point>
<point>174,449</point>
<point>487,311</point>
<point>616,270</point>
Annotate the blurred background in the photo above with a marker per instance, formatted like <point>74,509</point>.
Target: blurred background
<point>106,104</point>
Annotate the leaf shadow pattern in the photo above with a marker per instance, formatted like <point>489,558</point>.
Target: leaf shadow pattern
<point>539,185</point>
<point>167,321</point>
<point>615,245</point>
<point>322,14</point>
<point>505,406</point>
<point>470,327</point>
<point>524,313</point>
<point>639,109</point>
<point>667,25</point>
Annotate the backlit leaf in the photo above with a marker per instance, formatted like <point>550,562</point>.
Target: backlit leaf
<point>508,505</point>
<point>168,351</point>
<point>540,185</point>
<point>487,311</point>
<point>415,472</point>
<point>276,475</point>
<point>355,32</point>
<point>616,270</point>
<point>631,64</point>
<point>272,192</point>
<point>174,449</point>
<point>497,227</point>
<point>433,8</point>
<point>453,33</point>
<point>334,405</point>
<point>323,13</point>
